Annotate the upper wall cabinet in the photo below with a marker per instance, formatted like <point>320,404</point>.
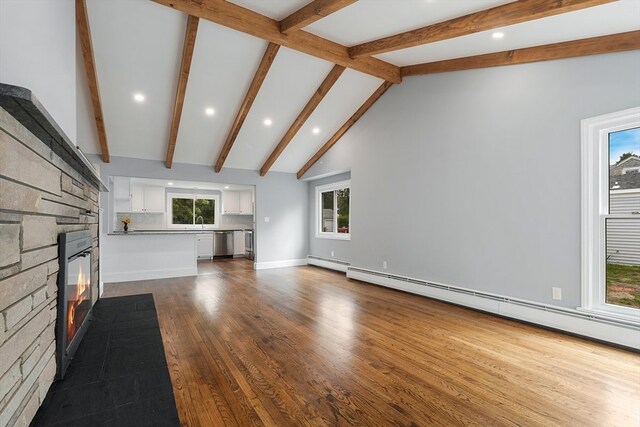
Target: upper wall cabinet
<point>237,202</point>
<point>147,198</point>
<point>121,194</point>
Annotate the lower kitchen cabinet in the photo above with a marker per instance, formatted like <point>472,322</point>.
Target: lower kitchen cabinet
<point>205,246</point>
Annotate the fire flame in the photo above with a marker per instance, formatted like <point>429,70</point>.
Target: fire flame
<point>75,301</point>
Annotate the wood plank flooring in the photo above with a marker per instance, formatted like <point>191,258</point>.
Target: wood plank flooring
<point>307,347</point>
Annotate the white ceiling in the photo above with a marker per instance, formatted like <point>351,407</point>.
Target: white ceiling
<point>138,47</point>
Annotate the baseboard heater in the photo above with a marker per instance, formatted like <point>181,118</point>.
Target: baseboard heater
<point>619,331</point>
<point>330,263</point>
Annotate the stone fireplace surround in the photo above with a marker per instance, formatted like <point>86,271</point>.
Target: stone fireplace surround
<point>47,187</point>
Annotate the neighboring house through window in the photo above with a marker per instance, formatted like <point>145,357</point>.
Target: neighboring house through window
<point>193,210</point>
<point>333,204</point>
<point>611,214</point>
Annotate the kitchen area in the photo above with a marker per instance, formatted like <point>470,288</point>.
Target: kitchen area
<point>160,228</point>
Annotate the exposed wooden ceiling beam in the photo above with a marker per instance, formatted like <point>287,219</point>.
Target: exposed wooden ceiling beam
<point>345,127</point>
<point>312,12</point>
<point>244,20</point>
<point>496,17</point>
<point>254,88</point>
<point>591,46</point>
<point>84,35</point>
<point>185,67</point>
<point>319,94</point>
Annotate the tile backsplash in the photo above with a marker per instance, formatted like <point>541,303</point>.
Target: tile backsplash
<point>158,221</point>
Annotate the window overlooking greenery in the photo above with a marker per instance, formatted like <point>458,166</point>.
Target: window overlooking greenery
<point>193,210</point>
<point>611,214</point>
<point>333,203</point>
<point>342,197</point>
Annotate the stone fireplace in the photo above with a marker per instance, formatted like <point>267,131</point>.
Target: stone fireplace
<point>47,189</point>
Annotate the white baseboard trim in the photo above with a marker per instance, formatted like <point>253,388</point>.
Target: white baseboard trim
<point>279,264</point>
<point>132,276</point>
<point>332,264</point>
<point>570,320</point>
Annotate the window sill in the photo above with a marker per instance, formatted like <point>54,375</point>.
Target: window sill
<point>333,236</point>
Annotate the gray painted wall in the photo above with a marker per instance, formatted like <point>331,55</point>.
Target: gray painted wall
<point>474,176</point>
<point>38,51</point>
<point>323,247</point>
<point>279,196</point>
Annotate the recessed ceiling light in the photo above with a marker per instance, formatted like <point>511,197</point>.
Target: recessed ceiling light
<point>169,183</point>
<point>210,111</point>
<point>138,97</point>
<point>226,187</point>
<point>316,131</point>
<point>267,122</point>
<point>497,35</point>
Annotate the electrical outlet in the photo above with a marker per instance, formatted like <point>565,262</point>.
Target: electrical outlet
<point>332,253</point>
<point>557,293</point>
<point>266,219</point>
<point>384,264</point>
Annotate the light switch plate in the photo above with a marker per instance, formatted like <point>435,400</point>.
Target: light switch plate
<point>266,219</point>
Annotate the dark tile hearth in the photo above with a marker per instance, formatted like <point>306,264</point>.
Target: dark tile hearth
<point>119,375</point>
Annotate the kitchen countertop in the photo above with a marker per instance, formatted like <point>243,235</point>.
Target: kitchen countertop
<point>141,232</point>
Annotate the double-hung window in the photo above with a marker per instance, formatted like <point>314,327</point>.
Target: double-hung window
<point>611,214</point>
<point>193,210</point>
<point>333,203</point>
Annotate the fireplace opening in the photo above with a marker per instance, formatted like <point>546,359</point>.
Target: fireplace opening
<point>74,295</point>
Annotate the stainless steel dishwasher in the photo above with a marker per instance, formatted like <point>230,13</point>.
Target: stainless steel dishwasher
<point>222,243</point>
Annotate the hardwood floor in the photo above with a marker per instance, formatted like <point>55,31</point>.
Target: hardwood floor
<point>306,346</point>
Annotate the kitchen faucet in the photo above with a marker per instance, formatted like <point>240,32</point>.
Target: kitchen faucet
<point>201,221</point>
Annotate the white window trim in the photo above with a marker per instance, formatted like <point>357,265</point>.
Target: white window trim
<point>595,193</point>
<point>332,187</point>
<point>171,196</point>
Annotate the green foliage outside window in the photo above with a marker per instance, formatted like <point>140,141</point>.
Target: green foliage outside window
<point>182,211</point>
<point>206,209</point>
<point>186,211</point>
<point>342,197</point>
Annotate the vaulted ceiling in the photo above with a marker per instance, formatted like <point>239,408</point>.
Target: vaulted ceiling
<point>184,67</point>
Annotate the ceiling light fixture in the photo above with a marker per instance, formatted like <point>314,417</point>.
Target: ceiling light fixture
<point>315,131</point>
<point>138,97</point>
<point>210,111</point>
<point>226,187</point>
<point>169,183</point>
<point>267,122</point>
<point>497,35</point>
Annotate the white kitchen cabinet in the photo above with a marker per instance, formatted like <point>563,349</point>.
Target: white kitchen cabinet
<point>154,199</point>
<point>231,202</point>
<point>246,203</point>
<point>238,243</point>
<point>121,194</point>
<point>121,188</point>
<point>237,202</point>
<point>137,198</point>
<point>205,246</point>
<point>147,198</point>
